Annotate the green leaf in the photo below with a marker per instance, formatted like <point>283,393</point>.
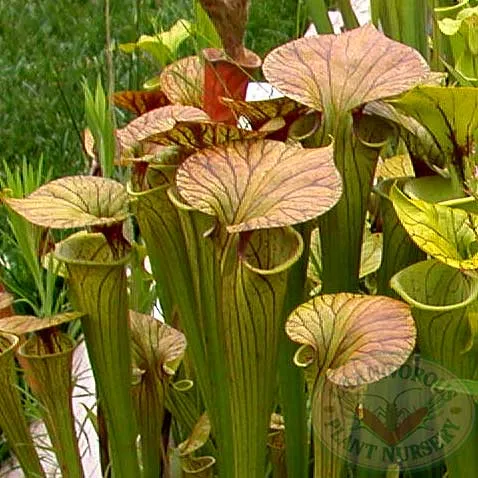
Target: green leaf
<point>447,234</point>
<point>449,114</point>
<point>74,201</point>
<point>205,34</point>
<point>260,184</point>
<point>399,251</point>
<point>352,339</point>
<point>163,46</point>
<point>341,72</point>
<point>395,167</point>
<point>420,142</point>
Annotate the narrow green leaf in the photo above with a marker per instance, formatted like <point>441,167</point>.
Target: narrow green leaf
<point>205,33</point>
<point>318,12</point>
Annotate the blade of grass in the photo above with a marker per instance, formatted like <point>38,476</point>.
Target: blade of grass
<point>318,13</point>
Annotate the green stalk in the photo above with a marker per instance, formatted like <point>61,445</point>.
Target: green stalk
<point>341,229</point>
<point>182,401</point>
<point>442,49</point>
<point>318,13</point>
<point>444,309</point>
<point>464,461</point>
<point>413,21</point>
<point>327,461</point>
<point>240,301</point>
<point>398,251</point>
<point>160,228</point>
<point>405,21</point>
<point>12,418</point>
<point>98,287</point>
<point>48,366</point>
<point>385,13</point>
<point>149,398</point>
<point>293,396</point>
<point>348,14</point>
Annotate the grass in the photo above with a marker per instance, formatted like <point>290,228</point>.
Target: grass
<point>48,46</point>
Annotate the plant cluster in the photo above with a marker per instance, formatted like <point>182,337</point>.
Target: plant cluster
<point>302,248</point>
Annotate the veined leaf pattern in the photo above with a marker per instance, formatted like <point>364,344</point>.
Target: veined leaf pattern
<point>260,184</point>
<point>447,234</point>
<point>344,71</point>
<point>355,339</point>
<point>157,121</point>
<point>24,324</point>
<point>264,110</point>
<point>194,135</point>
<point>449,114</point>
<point>155,344</point>
<point>74,201</point>
<point>142,101</point>
<point>183,81</point>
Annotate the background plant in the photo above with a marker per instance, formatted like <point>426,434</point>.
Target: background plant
<point>208,253</point>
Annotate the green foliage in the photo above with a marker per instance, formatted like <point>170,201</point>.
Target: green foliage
<point>269,248</point>
<point>100,121</point>
<point>27,243</point>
